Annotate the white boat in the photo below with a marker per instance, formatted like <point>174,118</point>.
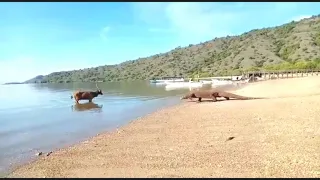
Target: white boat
<point>216,82</point>
<point>183,85</point>
<point>241,82</point>
<point>164,81</point>
<point>206,82</point>
<point>159,83</point>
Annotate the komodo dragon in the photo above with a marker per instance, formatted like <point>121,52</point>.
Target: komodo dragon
<point>213,94</point>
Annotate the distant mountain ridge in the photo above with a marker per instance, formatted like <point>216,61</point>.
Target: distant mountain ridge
<point>12,83</point>
<point>291,42</point>
<point>36,79</point>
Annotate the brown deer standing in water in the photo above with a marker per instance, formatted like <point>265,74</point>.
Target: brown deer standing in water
<point>86,95</point>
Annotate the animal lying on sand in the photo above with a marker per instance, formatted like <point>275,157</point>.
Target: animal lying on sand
<point>86,95</point>
<point>213,94</point>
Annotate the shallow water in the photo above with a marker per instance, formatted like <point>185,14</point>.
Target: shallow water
<point>43,117</point>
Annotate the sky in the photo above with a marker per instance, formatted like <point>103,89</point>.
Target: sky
<point>38,38</point>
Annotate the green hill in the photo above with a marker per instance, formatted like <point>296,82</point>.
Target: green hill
<point>293,45</point>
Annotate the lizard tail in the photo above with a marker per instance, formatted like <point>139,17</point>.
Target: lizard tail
<point>239,97</point>
<point>247,98</point>
<point>230,95</point>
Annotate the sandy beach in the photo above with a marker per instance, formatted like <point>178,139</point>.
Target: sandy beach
<point>276,137</point>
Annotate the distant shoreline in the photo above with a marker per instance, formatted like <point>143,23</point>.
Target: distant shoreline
<point>262,71</point>
<point>11,83</point>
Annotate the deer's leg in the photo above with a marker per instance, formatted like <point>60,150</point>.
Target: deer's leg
<point>199,99</point>
<point>77,100</point>
<point>90,100</point>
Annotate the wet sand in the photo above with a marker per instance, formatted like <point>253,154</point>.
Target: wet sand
<point>277,137</point>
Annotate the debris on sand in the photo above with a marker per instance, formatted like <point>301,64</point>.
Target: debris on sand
<point>230,138</point>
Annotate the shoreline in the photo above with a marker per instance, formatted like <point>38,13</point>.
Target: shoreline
<point>34,158</point>
<point>190,140</point>
<point>32,154</point>
<point>87,140</point>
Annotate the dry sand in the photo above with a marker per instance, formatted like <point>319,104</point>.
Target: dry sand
<point>278,137</point>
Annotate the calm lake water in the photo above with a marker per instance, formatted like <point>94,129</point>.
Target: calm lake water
<point>43,117</point>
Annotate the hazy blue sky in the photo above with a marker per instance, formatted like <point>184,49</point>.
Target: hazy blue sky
<point>40,38</point>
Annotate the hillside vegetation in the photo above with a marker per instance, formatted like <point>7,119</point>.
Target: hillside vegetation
<point>290,46</point>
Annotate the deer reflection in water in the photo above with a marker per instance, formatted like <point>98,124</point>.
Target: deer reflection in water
<point>90,106</point>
